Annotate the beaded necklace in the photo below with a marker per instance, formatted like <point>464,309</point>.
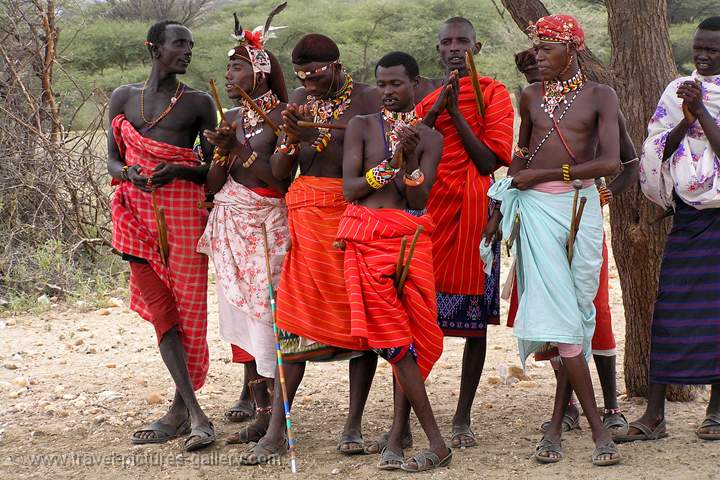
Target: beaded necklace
<point>568,104</point>
<point>396,120</point>
<point>252,121</point>
<point>325,110</point>
<point>554,92</point>
<point>179,90</point>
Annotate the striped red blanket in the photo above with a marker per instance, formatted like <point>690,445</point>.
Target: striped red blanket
<point>458,201</point>
<point>134,232</point>
<point>373,238</point>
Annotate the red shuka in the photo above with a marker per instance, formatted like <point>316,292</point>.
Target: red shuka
<point>135,233</point>
<point>312,301</point>
<point>458,201</point>
<point>373,238</point>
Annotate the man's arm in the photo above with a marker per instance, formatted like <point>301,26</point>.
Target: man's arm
<point>525,133</point>
<point>432,143</point>
<point>692,97</point>
<point>355,186</point>
<point>283,164</point>
<point>484,159</point>
<point>115,163</point>
<point>630,169</point>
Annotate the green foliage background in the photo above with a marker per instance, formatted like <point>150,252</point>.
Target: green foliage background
<point>101,53</point>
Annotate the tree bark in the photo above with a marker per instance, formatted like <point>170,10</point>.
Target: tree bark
<point>641,66</point>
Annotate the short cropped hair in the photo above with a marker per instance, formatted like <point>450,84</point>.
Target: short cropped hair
<point>394,59</point>
<point>712,23</point>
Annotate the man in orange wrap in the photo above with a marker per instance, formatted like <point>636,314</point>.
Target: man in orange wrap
<point>313,311</point>
<point>157,174</point>
<point>389,166</point>
<point>475,145</point>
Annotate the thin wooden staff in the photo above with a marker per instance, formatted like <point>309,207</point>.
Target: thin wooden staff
<point>330,126</point>
<point>577,185</point>
<point>216,97</point>
<point>259,111</point>
<point>278,351</point>
<point>161,225</point>
<point>205,205</point>
<point>401,259</point>
<point>479,100</point>
<point>406,268</point>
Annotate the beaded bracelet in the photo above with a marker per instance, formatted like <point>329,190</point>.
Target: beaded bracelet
<point>219,158</point>
<point>566,173</point>
<point>124,172</point>
<point>606,195</point>
<point>290,150</point>
<point>379,176</point>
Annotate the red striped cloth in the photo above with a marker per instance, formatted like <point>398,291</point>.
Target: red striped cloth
<point>458,201</point>
<point>373,239</point>
<point>312,301</point>
<point>239,355</point>
<point>134,232</point>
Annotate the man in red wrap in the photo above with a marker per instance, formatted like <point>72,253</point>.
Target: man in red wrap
<point>313,311</point>
<point>389,166</point>
<point>157,174</point>
<point>475,145</point>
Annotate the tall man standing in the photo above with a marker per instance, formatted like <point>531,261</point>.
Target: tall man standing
<point>398,321</point>
<point>313,306</point>
<point>569,131</point>
<point>474,147</point>
<point>679,169</point>
<point>150,158</point>
<point>603,342</point>
<point>247,197</point>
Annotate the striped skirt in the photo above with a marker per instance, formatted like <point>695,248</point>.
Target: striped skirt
<point>685,345</point>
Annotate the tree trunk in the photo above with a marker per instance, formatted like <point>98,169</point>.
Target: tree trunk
<point>641,66</point>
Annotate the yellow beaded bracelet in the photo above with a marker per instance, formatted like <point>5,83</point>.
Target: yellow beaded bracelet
<point>566,173</point>
<point>371,180</point>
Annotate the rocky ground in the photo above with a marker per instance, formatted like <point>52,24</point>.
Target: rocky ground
<point>74,385</point>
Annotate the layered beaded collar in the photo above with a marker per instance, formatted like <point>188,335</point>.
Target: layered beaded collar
<point>325,110</point>
<point>554,92</point>
<point>252,121</point>
<point>395,120</point>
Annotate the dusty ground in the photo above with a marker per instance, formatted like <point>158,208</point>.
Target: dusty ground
<point>90,378</point>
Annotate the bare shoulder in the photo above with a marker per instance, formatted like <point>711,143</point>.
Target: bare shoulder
<point>123,92</point>
<point>429,135</point>
<point>532,91</point>
<point>358,122</point>
<point>199,97</point>
<point>601,91</point>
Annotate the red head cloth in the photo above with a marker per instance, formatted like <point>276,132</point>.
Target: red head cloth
<point>557,29</point>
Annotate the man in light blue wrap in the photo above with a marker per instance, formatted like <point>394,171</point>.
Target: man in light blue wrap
<point>568,131</point>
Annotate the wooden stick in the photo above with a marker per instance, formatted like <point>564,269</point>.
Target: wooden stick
<point>331,126</point>
<point>577,185</point>
<point>401,259</point>
<point>581,208</point>
<point>259,111</point>
<point>479,100</point>
<point>278,351</point>
<point>406,268</point>
<point>216,97</point>
<point>161,229</point>
<point>205,205</point>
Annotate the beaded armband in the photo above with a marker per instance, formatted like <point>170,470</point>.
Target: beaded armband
<point>379,176</point>
<point>219,159</point>
<point>250,160</point>
<point>606,195</point>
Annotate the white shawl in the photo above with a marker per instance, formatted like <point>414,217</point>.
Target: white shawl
<point>693,170</point>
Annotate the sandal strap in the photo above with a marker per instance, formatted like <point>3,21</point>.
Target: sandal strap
<point>423,458</point>
<point>712,420</point>
<point>607,449</point>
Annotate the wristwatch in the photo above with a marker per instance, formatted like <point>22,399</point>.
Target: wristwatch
<point>414,178</point>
